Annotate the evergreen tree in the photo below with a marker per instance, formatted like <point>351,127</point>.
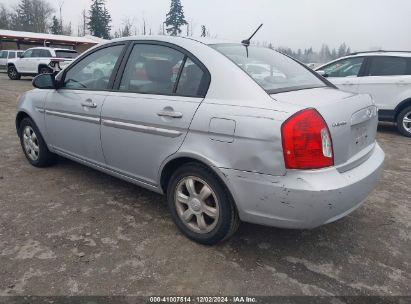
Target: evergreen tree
<point>56,26</point>
<point>342,50</point>
<point>99,20</point>
<point>175,18</point>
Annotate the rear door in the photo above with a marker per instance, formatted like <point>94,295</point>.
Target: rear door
<point>146,120</point>
<point>345,73</point>
<point>385,78</point>
<point>73,111</point>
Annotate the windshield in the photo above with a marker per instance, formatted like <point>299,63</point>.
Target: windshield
<point>66,54</point>
<point>273,71</point>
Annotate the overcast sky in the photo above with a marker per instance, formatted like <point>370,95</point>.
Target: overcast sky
<point>362,24</point>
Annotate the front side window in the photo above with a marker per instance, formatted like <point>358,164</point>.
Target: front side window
<point>273,71</point>
<point>349,67</point>
<point>45,54</point>
<point>94,71</point>
<point>28,54</point>
<point>3,54</point>
<point>36,53</point>
<point>12,55</point>
<point>151,69</point>
<point>388,66</point>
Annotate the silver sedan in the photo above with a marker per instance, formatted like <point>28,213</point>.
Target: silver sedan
<point>188,119</point>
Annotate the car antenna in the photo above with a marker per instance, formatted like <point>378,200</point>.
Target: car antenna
<point>247,42</point>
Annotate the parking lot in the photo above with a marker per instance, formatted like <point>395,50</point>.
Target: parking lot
<point>71,230</point>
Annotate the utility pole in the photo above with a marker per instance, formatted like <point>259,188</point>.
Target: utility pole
<point>84,22</point>
<point>61,16</point>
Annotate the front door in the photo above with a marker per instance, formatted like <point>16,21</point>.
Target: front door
<point>73,111</point>
<point>23,63</point>
<point>147,119</point>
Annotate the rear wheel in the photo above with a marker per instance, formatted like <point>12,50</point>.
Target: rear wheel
<point>404,122</point>
<point>13,73</point>
<point>200,205</point>
<point>33,145</point>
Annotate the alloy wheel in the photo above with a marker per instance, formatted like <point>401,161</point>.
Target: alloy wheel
<point>406,122</point>
<point>13,72</point>
<point>197,204</point>
<point>31,143</point>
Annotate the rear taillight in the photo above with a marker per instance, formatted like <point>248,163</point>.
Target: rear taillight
<point>307,141</point>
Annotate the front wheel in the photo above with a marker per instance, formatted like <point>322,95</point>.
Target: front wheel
<point>13,73</point>
<point>200,205</point>
<point>33,145</point>
<point>404,122</point>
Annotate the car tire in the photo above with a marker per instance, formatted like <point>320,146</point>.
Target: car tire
<point>200,205</point>
<point>13,73</point>
<point>33,144</point>
<point>404,122</point>
<point>45,70</point>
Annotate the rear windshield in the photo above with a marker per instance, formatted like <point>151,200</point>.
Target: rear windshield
<point>273,71</point>
<point>66,54</point>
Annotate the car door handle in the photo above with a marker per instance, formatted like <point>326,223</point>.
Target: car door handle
<point>171,114</point>
<point>88,103</point>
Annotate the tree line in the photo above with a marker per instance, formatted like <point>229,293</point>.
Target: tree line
<point>40,16</point>
<point>308,55</point>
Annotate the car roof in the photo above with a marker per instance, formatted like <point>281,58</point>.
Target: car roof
<point>368,54</point>
<point>175,39</point>
<point>381,53</point>
<point>50,48</point>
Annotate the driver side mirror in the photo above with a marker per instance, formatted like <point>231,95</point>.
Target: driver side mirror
<point>322,73</point>
<point>44,81</point>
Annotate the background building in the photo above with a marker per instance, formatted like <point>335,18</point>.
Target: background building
<point>23,40</point>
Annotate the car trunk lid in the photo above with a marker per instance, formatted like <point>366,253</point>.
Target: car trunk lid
<point>351,118</point>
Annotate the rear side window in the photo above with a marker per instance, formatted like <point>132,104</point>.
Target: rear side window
<point>151,69</point>
<point>66,54</point>
<point>193,81</point>
<point>388,66</point>
<point>12,55</point>
<point>349,67</point>
<point>3,54</point>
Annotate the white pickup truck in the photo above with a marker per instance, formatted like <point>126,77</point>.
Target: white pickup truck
<point>39,60</point>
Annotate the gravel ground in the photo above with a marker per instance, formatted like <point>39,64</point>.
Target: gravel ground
<point>70,230</point>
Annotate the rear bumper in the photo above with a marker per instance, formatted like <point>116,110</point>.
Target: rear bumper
<point>303,199</point>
